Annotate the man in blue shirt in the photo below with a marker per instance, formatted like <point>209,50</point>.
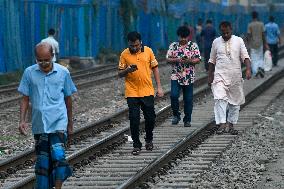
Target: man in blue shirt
<point>208,35</point>
<point>272,34</point>
<point>48,87</point>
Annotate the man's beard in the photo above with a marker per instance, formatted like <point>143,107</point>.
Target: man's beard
<point>133,51</point>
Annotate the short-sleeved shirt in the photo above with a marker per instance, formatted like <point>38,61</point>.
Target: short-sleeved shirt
<point>272,33</point>
<point>55,46</point>
<point>46,93</point>
<point>138,83</point>
<point>256,29</point>
<point>184,73</point>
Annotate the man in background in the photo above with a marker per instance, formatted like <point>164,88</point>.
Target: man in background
<point>198,30</point>
<point>55,46</point>
<point>208,34</point>
<point>272,34</point>
<point>257,42</point>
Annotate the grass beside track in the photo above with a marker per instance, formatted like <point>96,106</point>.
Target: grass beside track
<point>12,77</point>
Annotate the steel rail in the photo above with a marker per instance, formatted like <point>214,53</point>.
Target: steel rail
<point>12,164</point>
<point>74,74</point>
<point>190,141</point>
<point>103,146</point>
<point>80,84</point>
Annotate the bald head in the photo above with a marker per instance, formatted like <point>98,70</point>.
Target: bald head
<point>43,48</point>
<point>44,55</point>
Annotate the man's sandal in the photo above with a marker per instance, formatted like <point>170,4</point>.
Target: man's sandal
<point>231,129</point>
<point>221,129</point>
<point>136,151</point>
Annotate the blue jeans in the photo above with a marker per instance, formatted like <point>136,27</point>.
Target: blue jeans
<point>187,98</point>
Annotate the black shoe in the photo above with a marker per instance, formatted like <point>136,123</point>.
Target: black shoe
<point>136,151</point>
<point>149,146</point>
<point>187,124</point>
<point>175,120</point>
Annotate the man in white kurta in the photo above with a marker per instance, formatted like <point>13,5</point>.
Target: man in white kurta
<point>225,77</point>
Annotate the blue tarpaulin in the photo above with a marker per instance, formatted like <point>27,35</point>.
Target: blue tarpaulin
<point>84,27</point>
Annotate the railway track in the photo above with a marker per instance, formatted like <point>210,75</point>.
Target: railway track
<point>10,96</point>
<point>9,93</point>
<point>106,162</point>
<point>179,167</point>
<point>90,105</point>
<point>76,76</point>
<point>122,170</point>
<point>107,126</point>
<point>93,70</point>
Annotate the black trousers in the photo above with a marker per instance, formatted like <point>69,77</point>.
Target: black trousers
<point>146,104</point>
<point>274,52</point>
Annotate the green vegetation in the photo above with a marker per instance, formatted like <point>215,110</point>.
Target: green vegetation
<point>7,138</point>
<point>107,55</point>
<point>11,77</point>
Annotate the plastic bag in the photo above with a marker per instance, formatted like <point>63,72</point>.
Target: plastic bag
<point>267,65</point>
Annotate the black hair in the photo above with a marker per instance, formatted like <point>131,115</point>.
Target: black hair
<point>133,36</point>
<point>51,31</point>
<point>254,15</point>
<point>225,24</point>
<point>183,31</point>
<point>208,21</point>
<point>271,18</point>
<point>200,20</point>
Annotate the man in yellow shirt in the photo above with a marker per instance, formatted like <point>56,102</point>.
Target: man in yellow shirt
<point>136,64</point>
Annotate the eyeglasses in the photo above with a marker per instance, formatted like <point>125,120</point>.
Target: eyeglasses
<point>46,61</point>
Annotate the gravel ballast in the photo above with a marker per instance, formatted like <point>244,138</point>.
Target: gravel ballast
<point>255,159</point>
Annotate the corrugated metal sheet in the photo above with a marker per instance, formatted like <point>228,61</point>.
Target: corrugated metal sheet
<point>84,27</point>
<point>2,62</point>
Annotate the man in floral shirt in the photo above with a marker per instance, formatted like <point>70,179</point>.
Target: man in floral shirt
<point>182,55</point>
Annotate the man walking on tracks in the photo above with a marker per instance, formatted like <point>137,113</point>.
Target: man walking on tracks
<point>136,64</point>
<point>272,33</point>
<point>257,41</point>
<point>225,77</point>
<point>183,55</point>
<point>48,86</point>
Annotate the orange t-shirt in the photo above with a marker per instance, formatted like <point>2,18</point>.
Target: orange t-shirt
<point>138,83</point>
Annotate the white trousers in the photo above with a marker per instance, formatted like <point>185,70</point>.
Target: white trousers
<point>256,56</point>
<point>220,111</point>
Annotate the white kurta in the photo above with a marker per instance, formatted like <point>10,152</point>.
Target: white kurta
<point>227,56</point>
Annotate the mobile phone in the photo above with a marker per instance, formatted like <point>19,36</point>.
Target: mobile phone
<point>133,66</point>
